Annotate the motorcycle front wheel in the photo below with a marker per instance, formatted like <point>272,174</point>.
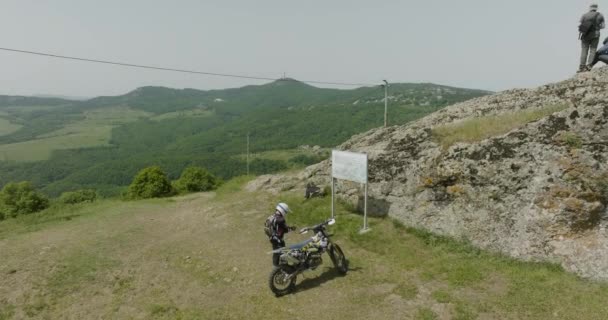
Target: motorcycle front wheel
<point>279,282</point>
<point>338,258</point>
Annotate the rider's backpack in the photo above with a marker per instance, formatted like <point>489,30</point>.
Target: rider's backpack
<point>588,27</point>
<point>269,225</point>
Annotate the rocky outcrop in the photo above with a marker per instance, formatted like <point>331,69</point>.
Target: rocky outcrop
<point>538,192</point>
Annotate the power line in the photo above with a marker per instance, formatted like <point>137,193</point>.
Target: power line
<point>177,70</point>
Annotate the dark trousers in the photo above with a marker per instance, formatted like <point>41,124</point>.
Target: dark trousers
<point>276,244</point>
<point>588,48</point>
<point>603,58</point>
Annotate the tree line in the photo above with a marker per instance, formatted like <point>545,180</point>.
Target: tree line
<point>21,198</point>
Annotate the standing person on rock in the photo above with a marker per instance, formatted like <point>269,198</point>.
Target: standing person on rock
<point>589,33</point>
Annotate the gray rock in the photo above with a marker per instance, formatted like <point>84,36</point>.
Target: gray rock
<point>538,192</point>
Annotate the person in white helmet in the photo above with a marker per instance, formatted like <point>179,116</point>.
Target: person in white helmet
<point>277,228</point>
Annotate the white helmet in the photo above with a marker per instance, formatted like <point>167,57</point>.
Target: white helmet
<point>283,208</point>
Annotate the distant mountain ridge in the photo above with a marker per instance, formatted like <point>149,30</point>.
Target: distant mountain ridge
<point>174,128</point>
<point>55,96</point>
<point>7,101</point>
<point>280,93</point>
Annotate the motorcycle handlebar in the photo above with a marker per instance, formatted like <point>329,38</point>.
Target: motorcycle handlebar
<point>320,225</point>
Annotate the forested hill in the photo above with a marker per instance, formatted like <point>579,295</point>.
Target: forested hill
<point>13,101</point>
<point>100,143</point>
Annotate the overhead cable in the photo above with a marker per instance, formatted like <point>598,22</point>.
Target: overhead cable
<point>177,70</point>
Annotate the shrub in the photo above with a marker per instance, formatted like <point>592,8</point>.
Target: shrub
<point>21,198</point>
<point>196,179</point>
<point>86,195</point>
<point>151,182</point>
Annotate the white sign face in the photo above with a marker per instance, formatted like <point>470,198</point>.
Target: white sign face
<point>349,166</point>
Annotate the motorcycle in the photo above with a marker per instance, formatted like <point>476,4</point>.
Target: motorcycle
<point>304,256</point>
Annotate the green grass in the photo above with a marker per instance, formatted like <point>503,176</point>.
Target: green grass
<point>531,289</point>
<point>77,268</point>
<point>281,155</point>
<point>465,312</point>
<point>55,214</point>
<point>571,139</point>
<point>195,113</point>
<point>93,131</point>
<point>73,137</point>
<point>232,186</point>
<point>406,290</point>
<point>6,311</point>
<point>32,108</point>
<point>127,246</point>
<point>442,296</point>
<point>425,314</point>
<point>59,214</point>
<point>481,128</point>
<point>7,127</point>
<point>287,156</point>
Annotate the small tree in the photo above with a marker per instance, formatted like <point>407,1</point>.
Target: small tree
<point>196,179</point>
<point>21,198</point>
<point>151,182</point>
<point>78,196</point>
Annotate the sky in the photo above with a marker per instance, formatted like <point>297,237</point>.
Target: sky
<point>483,44</point>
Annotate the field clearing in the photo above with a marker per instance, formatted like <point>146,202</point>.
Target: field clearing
<point>93,131</point>
<point>280,155</point>
<point>204,256</point>
<point>29,109</point>
<point>41,149</point>
<point>7,127</point>
<point>195,113</point>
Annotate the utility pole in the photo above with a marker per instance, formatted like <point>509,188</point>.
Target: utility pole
<point>247,153</point>
<point>385,85</point>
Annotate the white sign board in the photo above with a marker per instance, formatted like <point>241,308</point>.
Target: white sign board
<point>349,166</point>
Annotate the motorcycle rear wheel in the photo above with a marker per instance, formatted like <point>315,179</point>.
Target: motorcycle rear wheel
<point>278,282</point>
<point>339,259</point>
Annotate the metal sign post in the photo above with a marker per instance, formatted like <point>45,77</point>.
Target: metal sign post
<point>333,202</point>
<point>352,167</point>
<point>365,211</point>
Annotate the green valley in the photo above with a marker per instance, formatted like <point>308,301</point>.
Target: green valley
<point>63,145</point>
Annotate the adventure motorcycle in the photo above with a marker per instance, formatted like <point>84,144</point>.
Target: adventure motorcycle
<point>304,256</point>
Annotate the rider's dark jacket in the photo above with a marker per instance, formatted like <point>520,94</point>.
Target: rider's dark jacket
<point>280,226</point>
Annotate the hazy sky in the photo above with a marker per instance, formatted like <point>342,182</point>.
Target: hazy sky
<point>486,44</point>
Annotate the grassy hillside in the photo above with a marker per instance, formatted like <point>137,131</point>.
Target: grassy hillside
<point>63,145</point>
<point>204,256</point>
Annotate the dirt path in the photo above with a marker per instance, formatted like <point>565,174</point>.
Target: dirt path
<point>191,258</point>
<point>204,256</point>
